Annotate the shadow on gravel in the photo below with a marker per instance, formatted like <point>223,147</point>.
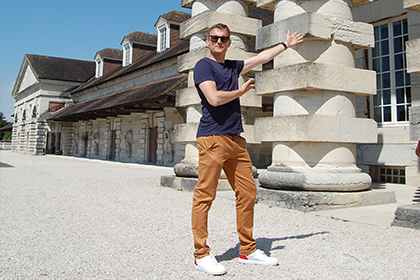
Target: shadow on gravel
<point>264,244</point>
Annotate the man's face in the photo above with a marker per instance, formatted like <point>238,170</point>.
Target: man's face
<point>218,46</point>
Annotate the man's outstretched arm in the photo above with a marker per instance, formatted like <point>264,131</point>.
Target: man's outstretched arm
<point>268,54</point>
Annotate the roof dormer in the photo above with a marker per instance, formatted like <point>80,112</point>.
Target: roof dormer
<point>167,27</point>
<point>106,60</point>
<point>127,52</point>
<point>137,45</point>
<point>163,36</point>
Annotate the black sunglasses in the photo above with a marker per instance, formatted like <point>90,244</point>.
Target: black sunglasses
<point>214,39</point>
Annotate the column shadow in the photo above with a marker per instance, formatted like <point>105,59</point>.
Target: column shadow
<point>264,244</point>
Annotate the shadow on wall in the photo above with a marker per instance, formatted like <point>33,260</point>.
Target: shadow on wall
<point>374,160</point>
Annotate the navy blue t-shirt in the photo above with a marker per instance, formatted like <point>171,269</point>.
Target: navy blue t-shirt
<point>226,118</point>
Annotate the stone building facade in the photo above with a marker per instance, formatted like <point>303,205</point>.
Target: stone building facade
<point>119,107</point>
<point>126,111</point>
<point>42,88</point>
<point>139,103</point>
<point>396,31</point>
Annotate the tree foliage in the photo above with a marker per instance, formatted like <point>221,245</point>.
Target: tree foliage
<point>3,122</point>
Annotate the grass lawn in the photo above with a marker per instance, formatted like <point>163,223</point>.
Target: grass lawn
<point>4,165</point>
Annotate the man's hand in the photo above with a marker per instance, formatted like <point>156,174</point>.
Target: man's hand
<point>294,39</point>
<point>247,86</point>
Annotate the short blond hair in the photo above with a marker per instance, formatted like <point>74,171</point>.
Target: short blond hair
<point>219,26</point>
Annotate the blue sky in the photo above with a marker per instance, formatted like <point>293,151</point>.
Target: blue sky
<point>72,29</point>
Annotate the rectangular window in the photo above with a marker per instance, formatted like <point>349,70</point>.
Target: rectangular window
<point>388,59</point>
<point>163,38</point>
<point>99,68</point>
<point>127,54</point>
<point>389,174</point>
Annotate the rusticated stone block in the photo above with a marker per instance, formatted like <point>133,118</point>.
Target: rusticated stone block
<point>186,97</point>
<point>249,135</point>
<point>317,26</point>
<point>415,123</point>
<point>413,51</point>
<point>250,99</point>
<point>413,5</point>
<point>315,128</point>
<point>186,132</point>
<point>237,24</point>
<point>308,76</point>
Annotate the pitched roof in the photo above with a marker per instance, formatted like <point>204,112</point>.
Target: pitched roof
<point>150,96</point>
<point>180,48</point>
<point>176,16</point>
<point>142,37</point>
<point>61,69</point>
<point>115,54</point>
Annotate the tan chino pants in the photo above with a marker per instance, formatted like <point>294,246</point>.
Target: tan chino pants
<point>229,153</point>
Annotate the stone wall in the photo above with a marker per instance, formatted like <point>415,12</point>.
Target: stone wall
<point>93,139</point>
<point>394,147</point>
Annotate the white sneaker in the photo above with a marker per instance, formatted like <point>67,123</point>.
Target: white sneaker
<point>258,257</point>
<point>209,265</point>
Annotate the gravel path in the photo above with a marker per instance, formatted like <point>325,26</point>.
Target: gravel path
<point>71,218</point>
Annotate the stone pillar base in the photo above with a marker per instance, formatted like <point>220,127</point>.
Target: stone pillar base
<point>407,216</point>
<point>314,180</point>
<point>307,201</point>
<point>186,169</point>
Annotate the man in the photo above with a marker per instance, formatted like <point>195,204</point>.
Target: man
<point>221,146</point>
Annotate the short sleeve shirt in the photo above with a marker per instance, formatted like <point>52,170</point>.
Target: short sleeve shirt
<point>226,118</point>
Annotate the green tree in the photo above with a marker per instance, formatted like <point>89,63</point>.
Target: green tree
<point>3,122</point>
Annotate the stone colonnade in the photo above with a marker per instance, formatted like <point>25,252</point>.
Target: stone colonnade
<point>205,13</point>
<point>29,136</point>
<point>314,129</point>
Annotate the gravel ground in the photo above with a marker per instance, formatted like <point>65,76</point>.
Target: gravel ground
<point>71,218</point>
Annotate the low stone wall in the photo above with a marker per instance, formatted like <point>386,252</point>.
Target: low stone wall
<point>5,145</point>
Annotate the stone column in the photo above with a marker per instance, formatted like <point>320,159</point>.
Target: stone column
<point>314,129</point>
<point>206,13</point>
